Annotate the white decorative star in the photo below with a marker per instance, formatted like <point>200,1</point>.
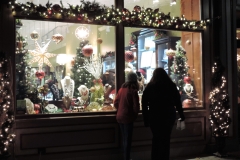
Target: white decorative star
<point>41,55</point>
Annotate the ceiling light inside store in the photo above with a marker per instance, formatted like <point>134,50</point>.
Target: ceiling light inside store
<point>173,2</point>
<point>62,58</point>
<point>81,32</point>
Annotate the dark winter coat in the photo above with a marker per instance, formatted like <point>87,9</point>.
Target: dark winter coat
<point>127,105</point>
<point>158,104</point>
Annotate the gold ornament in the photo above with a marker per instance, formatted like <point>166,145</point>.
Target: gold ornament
<point>99,40</point>
<point>41,55</point>
<point>34,35</point>
<point>170,53</point>
<point>57,38</point>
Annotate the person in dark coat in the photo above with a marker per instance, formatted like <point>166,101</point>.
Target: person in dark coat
<point>160,100</point>
<point>128,106</point>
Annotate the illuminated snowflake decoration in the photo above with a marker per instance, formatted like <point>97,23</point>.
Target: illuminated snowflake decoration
<point>41,55</point>
<point>81,32</point>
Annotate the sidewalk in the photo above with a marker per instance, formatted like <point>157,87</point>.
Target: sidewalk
<point>231,156</point>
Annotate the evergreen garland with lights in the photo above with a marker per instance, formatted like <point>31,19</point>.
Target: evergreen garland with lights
<point>81,76</point>
<point>92,12</point>
<point>6,109</point>
<point>219,102</point>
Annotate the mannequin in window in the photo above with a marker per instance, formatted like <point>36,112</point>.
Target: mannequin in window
<point>67,86</point>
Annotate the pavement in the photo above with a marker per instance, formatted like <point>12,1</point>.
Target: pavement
<point>215,156</point>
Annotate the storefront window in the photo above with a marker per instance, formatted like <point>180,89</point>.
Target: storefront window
<point>64,67</point>
<point>179,53</point>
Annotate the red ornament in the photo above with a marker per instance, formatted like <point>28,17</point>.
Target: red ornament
<point>40,74</point>
<point>129,57</point>
<point>79,17</point>
<point>187,79</point>
<point>49,11</point>
<point>56,7</point>
<point>87,50</point>
<point>36,107</point>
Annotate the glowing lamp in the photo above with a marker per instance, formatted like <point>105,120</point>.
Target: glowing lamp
<point>62,59</point>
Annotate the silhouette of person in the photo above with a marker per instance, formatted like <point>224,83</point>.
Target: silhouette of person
<point>158,109</point>
<point>127,105</point>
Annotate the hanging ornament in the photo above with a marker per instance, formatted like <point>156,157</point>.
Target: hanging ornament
<point>34,35</point>
<point>87,50</point>
<point>99,40</point>
<point>170,53</point>
<point>79,17</point>
<point>57,38</point>
<point>56,8</point>
<point>187,79</point>
<point>40,74</point>
<point>129,57</point>
<point>41,55</point>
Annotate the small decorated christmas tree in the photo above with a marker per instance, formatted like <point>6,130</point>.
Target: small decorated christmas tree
<point>179,68</point>
<point>219,108</point>
<point>80,75</point>
<point>180,76</point>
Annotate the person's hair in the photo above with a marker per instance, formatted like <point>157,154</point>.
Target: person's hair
<point>160,78</point>
<point>132,82</point>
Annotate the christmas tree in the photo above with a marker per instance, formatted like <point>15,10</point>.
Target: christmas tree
<point>179,67</point>
<point>219,107</point>
<point>180,76</point>
<point>24,78</point>
<point>79,74</point>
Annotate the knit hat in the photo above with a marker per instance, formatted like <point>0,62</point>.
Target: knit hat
<point>132,77</point>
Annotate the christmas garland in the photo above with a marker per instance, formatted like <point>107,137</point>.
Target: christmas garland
<point>6,109</point>
<point>93,13</point>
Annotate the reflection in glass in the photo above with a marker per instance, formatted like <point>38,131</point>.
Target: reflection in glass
<point>59,73</point>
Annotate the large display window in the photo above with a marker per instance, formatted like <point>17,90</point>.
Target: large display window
<point>64,67</point>
<point>179,53</point>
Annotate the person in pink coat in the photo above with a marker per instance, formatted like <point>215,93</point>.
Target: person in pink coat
<point>128,106</point>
